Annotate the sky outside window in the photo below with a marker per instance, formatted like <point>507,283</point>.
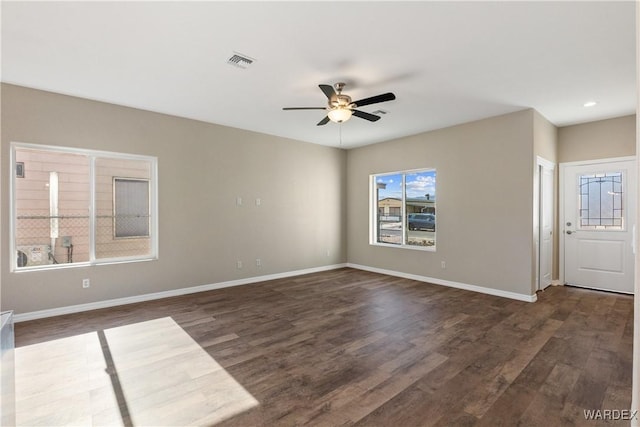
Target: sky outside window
<point>393,186</point>
<point>419,184</point>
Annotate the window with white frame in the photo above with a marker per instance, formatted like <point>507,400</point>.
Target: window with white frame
<point>404,209</point>
<point>81,207</point>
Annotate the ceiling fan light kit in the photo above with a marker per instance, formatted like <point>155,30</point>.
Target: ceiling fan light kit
<point>339,114</point>
<point>340,108</point>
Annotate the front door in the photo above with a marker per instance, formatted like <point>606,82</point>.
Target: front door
<point>598,222</point>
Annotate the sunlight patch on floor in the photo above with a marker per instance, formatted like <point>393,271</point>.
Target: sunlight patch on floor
<point>148,373</point>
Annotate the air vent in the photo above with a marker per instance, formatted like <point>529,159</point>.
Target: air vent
<point>239,60</point>
<point>380,112</point>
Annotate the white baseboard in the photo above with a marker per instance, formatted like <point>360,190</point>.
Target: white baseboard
<point>449,283</point>
<point>23,317</point>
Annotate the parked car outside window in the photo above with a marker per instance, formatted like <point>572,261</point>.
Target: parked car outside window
<point>419,221</point>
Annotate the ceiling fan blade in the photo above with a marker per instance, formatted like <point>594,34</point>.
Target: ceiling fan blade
<point>323,121</point>
<point>328,91</point>
<point>375,99</point>
<point>366,116</point>
<point>304,108</point>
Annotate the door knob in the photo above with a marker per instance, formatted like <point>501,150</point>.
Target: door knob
<point>569,232</point>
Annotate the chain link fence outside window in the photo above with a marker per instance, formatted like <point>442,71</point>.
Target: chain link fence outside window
<point>52,223</point>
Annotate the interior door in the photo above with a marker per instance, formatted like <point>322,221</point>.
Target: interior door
<point>599,219</point>
<point>546,226</point>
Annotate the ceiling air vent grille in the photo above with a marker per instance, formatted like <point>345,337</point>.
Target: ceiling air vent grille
<point>239,60</point>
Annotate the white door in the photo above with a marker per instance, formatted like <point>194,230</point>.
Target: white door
<point>598,219</point>
<point>546,225</point>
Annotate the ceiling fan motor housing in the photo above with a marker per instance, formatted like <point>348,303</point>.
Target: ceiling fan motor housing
<point>341,101</point>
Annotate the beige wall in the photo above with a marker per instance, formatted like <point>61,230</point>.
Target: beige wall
<point>635,396</point>
<point>597,140</point>
<point>2,192</point>
<point>485,202</point>
<point>545,138</point>
<point>314,199</point>
<point>202,169</point>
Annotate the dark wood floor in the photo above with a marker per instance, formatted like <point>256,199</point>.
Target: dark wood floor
<point>351,347</point>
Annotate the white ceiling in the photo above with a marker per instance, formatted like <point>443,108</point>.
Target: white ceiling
<point>447,62</point>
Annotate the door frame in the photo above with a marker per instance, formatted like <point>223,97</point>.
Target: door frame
<point>542,163</point>
<point>561,195</point>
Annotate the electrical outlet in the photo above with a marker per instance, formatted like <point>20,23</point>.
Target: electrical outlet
<point>86,283</point>
<point>443,265</point>
<point>66,241</point>
<point>239,264</point>
<point>239,201</point>
<point>258,262</point>
<point>258,202</point>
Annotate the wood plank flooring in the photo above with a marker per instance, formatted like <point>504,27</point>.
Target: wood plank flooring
<point>343,347</point>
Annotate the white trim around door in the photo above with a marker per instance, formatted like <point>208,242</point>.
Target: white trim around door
<point>597,250</point>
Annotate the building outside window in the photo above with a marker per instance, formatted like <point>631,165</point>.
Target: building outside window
<point>404,209</point>
<point>81,207</point>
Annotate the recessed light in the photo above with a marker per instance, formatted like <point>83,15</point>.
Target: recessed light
<point>590,104</point>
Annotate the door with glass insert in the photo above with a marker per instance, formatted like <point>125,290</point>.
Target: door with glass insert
<point>598,224</point>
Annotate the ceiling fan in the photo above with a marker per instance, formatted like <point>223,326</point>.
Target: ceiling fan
<point>340,108</point>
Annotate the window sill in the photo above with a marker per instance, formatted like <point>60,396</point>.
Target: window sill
<point>411,247</point>
<point>50,267</point>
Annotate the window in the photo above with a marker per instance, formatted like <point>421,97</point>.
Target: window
<point>81,207</point>
<point>404,209</point>
<point>131,207</point>
<point>601,201</point>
